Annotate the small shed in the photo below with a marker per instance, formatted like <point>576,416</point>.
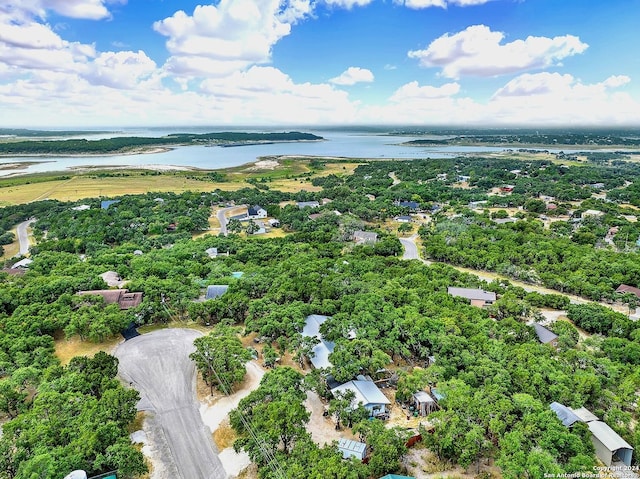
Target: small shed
<point>424,403</point>
<point>609,446</point>
<point>216,290</point>
<point>350,448</point>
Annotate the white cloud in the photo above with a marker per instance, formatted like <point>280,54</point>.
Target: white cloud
<point>479,51</point>
<point>419,4</point>
<point>552,97</point>
<point>86,9</point>
<point>218,39</point>
<point>120,70</point>
<point>353,75</point>
<point>348,4</point>
<point>413,91</point>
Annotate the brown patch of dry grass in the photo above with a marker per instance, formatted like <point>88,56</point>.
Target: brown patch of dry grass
<point>66,349</point>
<point>250,472</point>
<point>136,425</point>
<point>224,436</point>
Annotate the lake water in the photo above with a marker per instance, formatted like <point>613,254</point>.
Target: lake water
<point>348,145</point>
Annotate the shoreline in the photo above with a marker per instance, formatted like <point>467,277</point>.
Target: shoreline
<point>136,151</point>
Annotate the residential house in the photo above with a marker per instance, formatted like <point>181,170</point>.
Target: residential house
<point>350,448</point>
<point>22,264</point>
<point>474,205</point>
<point>212,252</point>
<point>609,446</point>
<point>367,394</point>
<point>507,188</point>
<point>477,297</point>
<point>274,223</point>
<point>308,204</point>
<point>122,297</point>
<point>216,290</point>
<point>403,219</point>
<point>81,208</point>
<point>365,237</point>
<point>256,211</point>
<point>412,205</point>
<point>623,288</point>
<point>592,214</point>
<point>546,336</point>
<point>321,351</point>
<point>463,178</point>
<point>396,476</point>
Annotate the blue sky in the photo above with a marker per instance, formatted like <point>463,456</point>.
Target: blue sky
<point>98,63</point>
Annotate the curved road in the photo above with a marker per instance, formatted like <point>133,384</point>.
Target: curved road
<point>411,249</point>
<point>157,364</point>
<point>222,219</point>
<point>23,236</point>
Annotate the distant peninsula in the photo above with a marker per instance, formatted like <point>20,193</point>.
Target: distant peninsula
<point>137,144</point>
<point>591,139</point>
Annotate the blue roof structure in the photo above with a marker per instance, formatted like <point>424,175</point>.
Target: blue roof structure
<point>565,414</point>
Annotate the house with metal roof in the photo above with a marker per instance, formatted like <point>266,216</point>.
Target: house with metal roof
<point>367,394</point>
<point>565,414</point>
<point>256,211</point>
<point>308,204</point>
<point>216,290</point>
<point>478,297</point>
<point>365,237</point>
<point>321,351</point>
<point>545,336</point>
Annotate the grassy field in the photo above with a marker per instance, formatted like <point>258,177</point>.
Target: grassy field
<point>90,186</point>
<point>289,174</point>
<point>12,249</point>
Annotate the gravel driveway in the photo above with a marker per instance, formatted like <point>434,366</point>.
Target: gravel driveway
<point>157,364</point>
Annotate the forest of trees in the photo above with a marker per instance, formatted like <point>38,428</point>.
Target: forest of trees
<point>126,143</point>
<point>497,379</point>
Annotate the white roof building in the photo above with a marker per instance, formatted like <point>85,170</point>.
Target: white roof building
<point>367,394</point>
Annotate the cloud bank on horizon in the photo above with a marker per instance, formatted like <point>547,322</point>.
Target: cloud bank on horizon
<point>95,63</point>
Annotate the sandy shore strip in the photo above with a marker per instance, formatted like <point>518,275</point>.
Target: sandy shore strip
<point>153,167</point>
<point>134,151</point>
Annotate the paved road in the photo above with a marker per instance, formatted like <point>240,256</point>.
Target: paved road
<point>23,236</point>
<point>222,219</point>
<point>157,364</point>
<point>410,248</point>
